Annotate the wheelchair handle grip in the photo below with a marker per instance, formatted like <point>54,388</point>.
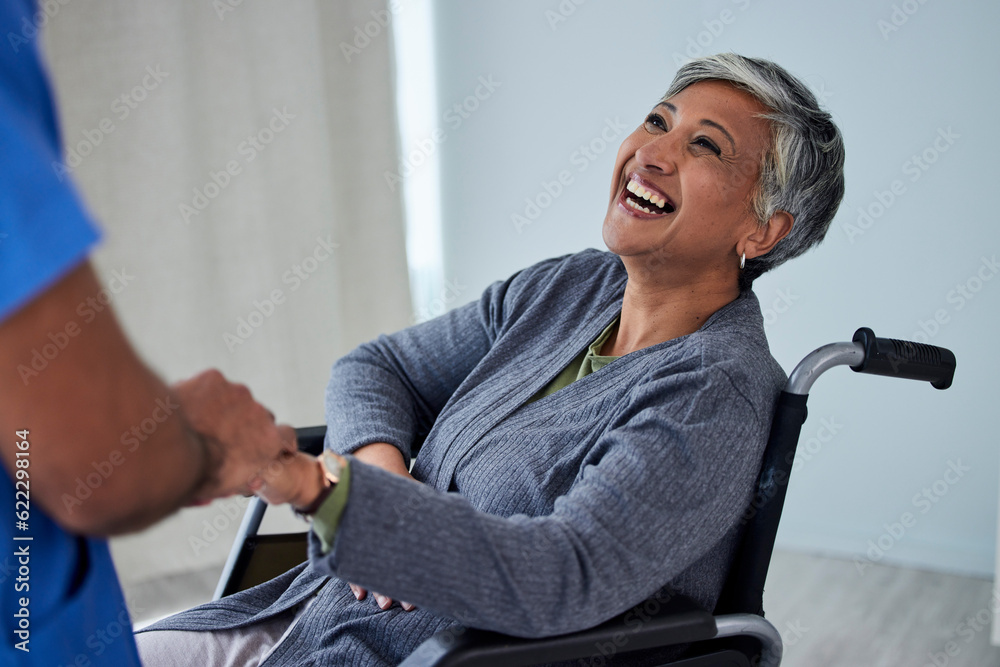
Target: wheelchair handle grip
<point>905,359</point>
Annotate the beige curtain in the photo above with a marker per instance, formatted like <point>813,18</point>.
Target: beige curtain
<point>233,153</point>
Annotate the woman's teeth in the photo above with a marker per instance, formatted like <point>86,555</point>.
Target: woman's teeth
<point>638,207</point>
<point>640,191</point>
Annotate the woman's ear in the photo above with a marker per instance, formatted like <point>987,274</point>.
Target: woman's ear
<point>766,236</point>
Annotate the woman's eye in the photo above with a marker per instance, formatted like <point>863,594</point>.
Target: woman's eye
<point>706,143</point>
<point>656,121</point>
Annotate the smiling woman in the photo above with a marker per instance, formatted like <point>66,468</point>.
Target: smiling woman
<point>589,431</point>
<point>726,158</point>
<point>700,177</point>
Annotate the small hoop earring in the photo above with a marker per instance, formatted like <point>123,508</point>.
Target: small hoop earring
<point>743,261</point>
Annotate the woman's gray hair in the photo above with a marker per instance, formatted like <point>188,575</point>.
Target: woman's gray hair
<point>803,172</point>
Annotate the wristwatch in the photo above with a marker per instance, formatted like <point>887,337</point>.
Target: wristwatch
<point>331,465</point>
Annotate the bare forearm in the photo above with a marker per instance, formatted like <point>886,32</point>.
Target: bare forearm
<point>158,463</point>
<point>383,455</point>
<point>111,450</point>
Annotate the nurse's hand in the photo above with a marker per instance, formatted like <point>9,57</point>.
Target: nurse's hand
<point>240,435</point>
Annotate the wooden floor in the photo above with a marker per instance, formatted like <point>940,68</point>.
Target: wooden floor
<point>828,614</point>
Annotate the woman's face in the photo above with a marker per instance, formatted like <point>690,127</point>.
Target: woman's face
<point>696,157</point>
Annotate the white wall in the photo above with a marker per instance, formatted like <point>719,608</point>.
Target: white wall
<point>560,84</point>
<point>263,227</point>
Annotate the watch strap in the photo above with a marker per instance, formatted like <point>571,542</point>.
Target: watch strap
<point>313,507</point>
<point>330,479</point>
<point>331,465</point>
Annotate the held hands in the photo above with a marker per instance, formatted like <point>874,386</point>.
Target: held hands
<point>240,435</point>
<point>249,453</point>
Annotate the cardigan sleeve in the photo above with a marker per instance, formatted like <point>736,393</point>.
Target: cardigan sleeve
<point>392,389</point>
<point>659,489</point>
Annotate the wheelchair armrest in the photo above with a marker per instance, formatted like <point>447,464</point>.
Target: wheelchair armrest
<point>311,439</point>
<point>652,624</point>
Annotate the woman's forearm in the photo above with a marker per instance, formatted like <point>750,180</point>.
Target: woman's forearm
<point>383,455</point>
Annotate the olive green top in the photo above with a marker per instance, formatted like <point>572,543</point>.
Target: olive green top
<point>589,361</point>
<point>327,517</point>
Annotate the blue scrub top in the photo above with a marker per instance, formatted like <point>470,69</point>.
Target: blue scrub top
<point>59,594</point>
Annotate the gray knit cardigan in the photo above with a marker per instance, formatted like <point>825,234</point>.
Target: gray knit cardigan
<point>533,518</point>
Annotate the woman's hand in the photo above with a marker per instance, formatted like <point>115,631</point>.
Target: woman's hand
<point>294,478</point>
<point>387,457</point>
<point>383,601</point>
<point>297,478</point>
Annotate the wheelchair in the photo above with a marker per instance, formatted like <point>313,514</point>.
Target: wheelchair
<point>734,634</point>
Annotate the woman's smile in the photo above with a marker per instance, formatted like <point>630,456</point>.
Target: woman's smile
<point>641,199</point>
<point>703,147</point>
